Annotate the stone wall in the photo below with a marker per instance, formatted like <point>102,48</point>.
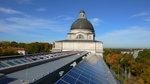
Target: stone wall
<point>88,35</point>
<point>93,47</point>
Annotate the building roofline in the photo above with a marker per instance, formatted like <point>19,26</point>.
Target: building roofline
<point>78,41</point>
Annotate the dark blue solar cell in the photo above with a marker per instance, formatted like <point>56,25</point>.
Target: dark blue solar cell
<point>85,70</point>
<point>98,76</point>
<point>82,69</point>
<point>61,82</point>
<point>79,82</point>
<point>94,82</point>
<point>84,79</point>
<point>88,67</point>
<point>76,70</point>
<point>69,79</point>
<point>6,80</point>
<point>72,73</point>
<point>97,80</point>
<point>85,74</point>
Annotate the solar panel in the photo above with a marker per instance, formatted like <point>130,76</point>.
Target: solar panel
<point>86,73</point>
<point>10,63</point>
<point>1,65</point>
<point>23,60</point>
<point>18,62</point>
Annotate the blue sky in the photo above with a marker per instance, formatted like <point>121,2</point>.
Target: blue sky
<point>118,23</point>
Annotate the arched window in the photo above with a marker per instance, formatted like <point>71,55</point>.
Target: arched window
<point>80,36</point>
<point>90,37</point>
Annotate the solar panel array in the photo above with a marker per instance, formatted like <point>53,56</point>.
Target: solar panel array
<point>86,73</point>
<point>35,73</point>
<point>18,61</point>
<point>30,59</point>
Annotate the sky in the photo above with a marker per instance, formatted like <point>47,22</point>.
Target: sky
<point>118,23</point>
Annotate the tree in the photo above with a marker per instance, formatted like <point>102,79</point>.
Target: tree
<point>144,56</point>
<point>13,44</point>
<point>124,64</point>
<point>11,48</point>
<point>37,47</point>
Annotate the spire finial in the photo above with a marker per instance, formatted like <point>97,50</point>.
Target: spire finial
<point>82,14</point>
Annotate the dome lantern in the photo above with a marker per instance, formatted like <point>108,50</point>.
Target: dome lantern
<point>82,15</point>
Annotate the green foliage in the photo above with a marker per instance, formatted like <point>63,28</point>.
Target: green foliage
<point>8,51</point>
<point>13,44</point>
<point>144,56</point>
<point>137,69</point>
<point>109,50</point>
<point>126,60</point>
<point>124,64</point>
<point>146,74</point>
<point>38,47</point>
<point>10,48</point>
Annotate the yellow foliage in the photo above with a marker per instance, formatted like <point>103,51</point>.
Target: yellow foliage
<point>146,75</point>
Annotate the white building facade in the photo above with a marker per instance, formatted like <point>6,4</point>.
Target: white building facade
<point>80,38</point>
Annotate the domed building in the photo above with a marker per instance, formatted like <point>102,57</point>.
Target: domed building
<point>80,38</point>
<point>81,29</point>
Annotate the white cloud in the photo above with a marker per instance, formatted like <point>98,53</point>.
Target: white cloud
<point>143,16</point>
<point>30,26</point>
<point>95,21</point>
<point>9,11</point>
<point>130,37</point>
<point>40,9</point>
<point>140,14</point>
